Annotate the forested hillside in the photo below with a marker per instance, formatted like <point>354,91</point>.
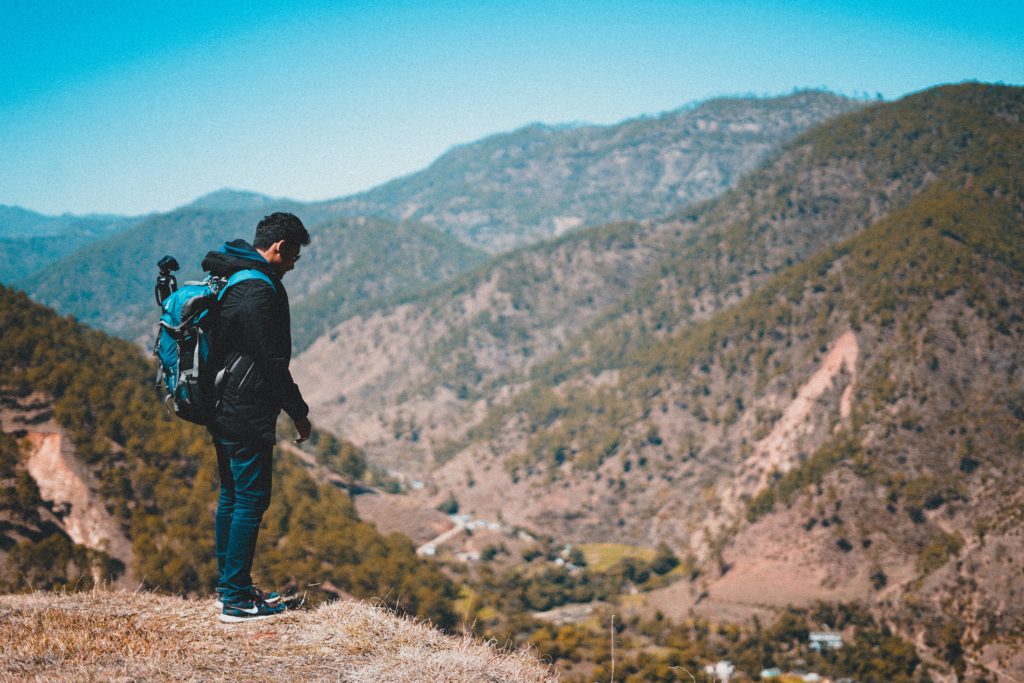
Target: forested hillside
<point>351,265</point>
<point>811,381</point>
<point>32,241</point>
<point>577,304</point>
<point>539,182</point>
<point>157,477</point>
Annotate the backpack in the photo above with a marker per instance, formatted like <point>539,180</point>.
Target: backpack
<point>190,368</point>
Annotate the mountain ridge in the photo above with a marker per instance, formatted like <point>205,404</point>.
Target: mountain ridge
<point>630,250</point>
<point>898,224</point>
<point>589,174</point>
<point>32,241</point>
<point>89,284</point>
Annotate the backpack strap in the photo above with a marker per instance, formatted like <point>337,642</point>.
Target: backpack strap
<point>241,276</point>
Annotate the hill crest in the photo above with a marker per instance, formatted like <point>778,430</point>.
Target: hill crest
<point>146,636</point>
<point>516,188</point>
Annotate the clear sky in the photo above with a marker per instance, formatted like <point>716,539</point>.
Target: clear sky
<point>131,107</point>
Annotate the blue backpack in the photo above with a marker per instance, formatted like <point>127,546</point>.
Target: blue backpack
<point>190,369</point>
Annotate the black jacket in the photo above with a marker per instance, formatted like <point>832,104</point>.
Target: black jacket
<point>254,335</point>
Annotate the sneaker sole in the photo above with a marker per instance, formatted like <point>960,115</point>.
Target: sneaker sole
<point>228,619</point>
<point>220,605</point>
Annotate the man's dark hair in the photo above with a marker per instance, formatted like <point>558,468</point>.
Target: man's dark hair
<point>280,226</point>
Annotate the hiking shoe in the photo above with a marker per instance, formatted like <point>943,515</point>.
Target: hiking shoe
<point>250,610</point>
<point>271,598</point>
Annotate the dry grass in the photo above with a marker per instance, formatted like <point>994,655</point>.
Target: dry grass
<point>129,636</point>
<point>603,556</point>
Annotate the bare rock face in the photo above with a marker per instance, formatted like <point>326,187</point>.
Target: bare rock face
<point>67,487</point>
<point>63,481</point>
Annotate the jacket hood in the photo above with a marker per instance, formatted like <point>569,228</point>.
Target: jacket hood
<point>235,256</point>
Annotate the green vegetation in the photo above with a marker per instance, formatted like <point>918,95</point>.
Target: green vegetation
<point>602,556</point>
<point>337,454</point>
<point>659,649</point>
<point>938,551</point>
<point>449,505</point>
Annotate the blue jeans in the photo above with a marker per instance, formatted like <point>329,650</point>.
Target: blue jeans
<point>246,472</point>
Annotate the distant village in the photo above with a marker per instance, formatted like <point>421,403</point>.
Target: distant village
<point>724,670</point>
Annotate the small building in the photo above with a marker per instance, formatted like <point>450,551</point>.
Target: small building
<point>721,671</point>
<point>825,640</point>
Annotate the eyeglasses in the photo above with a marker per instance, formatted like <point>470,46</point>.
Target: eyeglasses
<point>296,248</point>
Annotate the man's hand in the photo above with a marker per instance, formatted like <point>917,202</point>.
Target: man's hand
<point>303,426</point>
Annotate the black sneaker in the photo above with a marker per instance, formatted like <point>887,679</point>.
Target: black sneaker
<point>255,593</point>
<point>252,610</point>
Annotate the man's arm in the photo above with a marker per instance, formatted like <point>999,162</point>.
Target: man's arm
<point>264,329</point>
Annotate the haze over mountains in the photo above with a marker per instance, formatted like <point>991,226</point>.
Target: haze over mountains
<point>32,241</point>
<point>806,384</point>
<point>517,181</point>
<point>539,182</point>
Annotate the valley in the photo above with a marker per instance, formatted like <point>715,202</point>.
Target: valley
<point>782,384</point>
<point>735,401</point>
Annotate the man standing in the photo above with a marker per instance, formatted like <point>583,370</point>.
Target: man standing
<point>254,333</point>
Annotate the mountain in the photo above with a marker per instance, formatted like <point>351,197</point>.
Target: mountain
<point>503,191</point>
<point>808,385</point>
<point>357,265</point>
<point>595,291</point>
<point>32,241</point>
<point>541,181</point>
<point>228,199</point>
<point>350,264</point>
<point>16,222</point>
<point>99,484</point>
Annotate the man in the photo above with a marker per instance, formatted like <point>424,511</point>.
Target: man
<point>254,334</point>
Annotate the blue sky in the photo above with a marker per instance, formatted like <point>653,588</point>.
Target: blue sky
<point>126,107</point>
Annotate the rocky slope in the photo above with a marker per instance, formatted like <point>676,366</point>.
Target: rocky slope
<point>68,492</point>
<point>541,181</point>
<point>813,377</point>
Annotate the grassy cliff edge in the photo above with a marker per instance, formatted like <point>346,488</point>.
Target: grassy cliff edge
<point>145,636</point>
